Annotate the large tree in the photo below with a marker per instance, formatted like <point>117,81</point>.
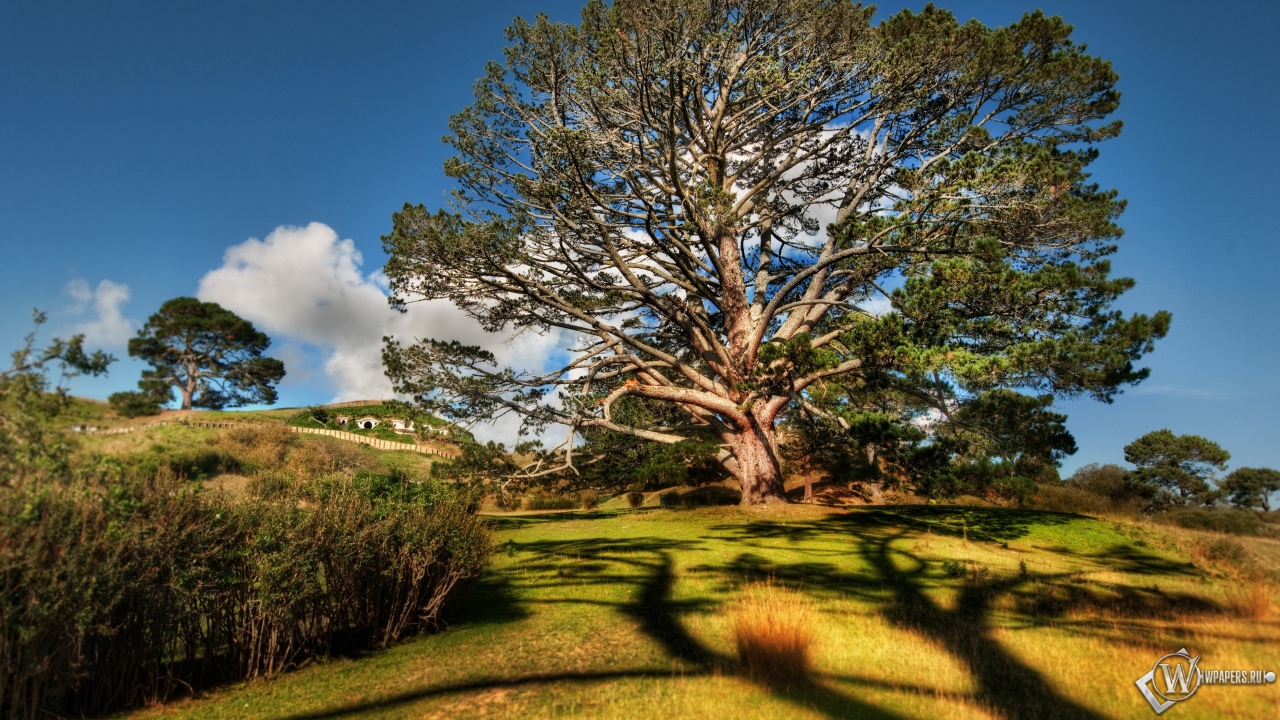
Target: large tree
<point>212,356</point>
<point>710,196</point>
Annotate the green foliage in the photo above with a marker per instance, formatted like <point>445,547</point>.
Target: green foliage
<point>211,355</point>
<point>30,445</point>
<point>149,399</point>
<point>1018,429</point>
<point>320,414</point>
<point>118,589</point>
<point>1109,481</point>
<point>1252,487</point>
<point>478,464</point>
<point>982,478</point>
<point>1176,469</point>
<point>635,499</point>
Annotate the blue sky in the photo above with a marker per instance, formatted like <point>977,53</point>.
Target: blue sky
<point>140,142</point>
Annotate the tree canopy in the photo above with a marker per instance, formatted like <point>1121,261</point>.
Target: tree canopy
<point>212,356</point>
<point>1252,487</point>
<point>713,199</point>
<point>1176,469</point>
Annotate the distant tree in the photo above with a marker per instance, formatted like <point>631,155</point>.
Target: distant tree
<point>149,399</point>
<point>1252,487</point>
<point>1110,481</point>
<point>708,195</point>
<point>212,356</point>
<point>1176,469</point>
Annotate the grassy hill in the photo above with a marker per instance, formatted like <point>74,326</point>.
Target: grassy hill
<point>202,453</point>
<point>919,611</point>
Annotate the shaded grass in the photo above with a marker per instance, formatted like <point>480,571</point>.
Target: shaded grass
<point>629,614</point>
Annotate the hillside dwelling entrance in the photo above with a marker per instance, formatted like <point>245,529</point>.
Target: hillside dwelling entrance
<point>367,423</point>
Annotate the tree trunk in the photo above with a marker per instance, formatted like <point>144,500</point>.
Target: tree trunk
<point>760,472</point>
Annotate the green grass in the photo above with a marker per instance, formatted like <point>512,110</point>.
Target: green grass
<point>629,614</point>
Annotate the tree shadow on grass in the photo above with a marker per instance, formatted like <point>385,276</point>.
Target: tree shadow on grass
<point>890,577</point>
<point>965,631</point>
<point>658,615</point>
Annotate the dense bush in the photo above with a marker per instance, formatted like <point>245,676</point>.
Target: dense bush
<point>118,589</point>
<point>635,499</point>
<point>711,495</point>
<point>588,499</point>
<point>1094,490</point>
<point>550,502</point>
<point>1071,499</point>
<point>321,456</point>
<point>669,499</point>
<point>1224,520</point>
<point>260,447</point>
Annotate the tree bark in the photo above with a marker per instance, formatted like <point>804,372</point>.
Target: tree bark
<point>760,471</point>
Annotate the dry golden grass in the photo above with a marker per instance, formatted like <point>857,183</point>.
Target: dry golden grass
<point>772,632</point>
<point>321,456</point>
<point>1253,600</point>
<point>262,447</point>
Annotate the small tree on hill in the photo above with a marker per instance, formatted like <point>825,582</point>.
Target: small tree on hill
<point>30,444</point>
<point>212,356</point>
<point>708,195</point>
<point>1252,487</point>
<point>1176,469</point>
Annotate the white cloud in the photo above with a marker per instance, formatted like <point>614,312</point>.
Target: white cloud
<point>106,326</point>
<point>304,286</point>
<point>877,305</point>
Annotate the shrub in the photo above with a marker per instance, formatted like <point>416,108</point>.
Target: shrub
<point>773,637</point>
<point>669,499</point>
<point>1072,499</point>
<point>550,502</point>
<point>635,499</point>
<point>132,404</point>
<point>711,495</point>
<point>117,590</point>
<point>588,499</point>
<point>1224,520</point>
<point>321,456</point>
<point>259,447</point>
<point>1109,481</point>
